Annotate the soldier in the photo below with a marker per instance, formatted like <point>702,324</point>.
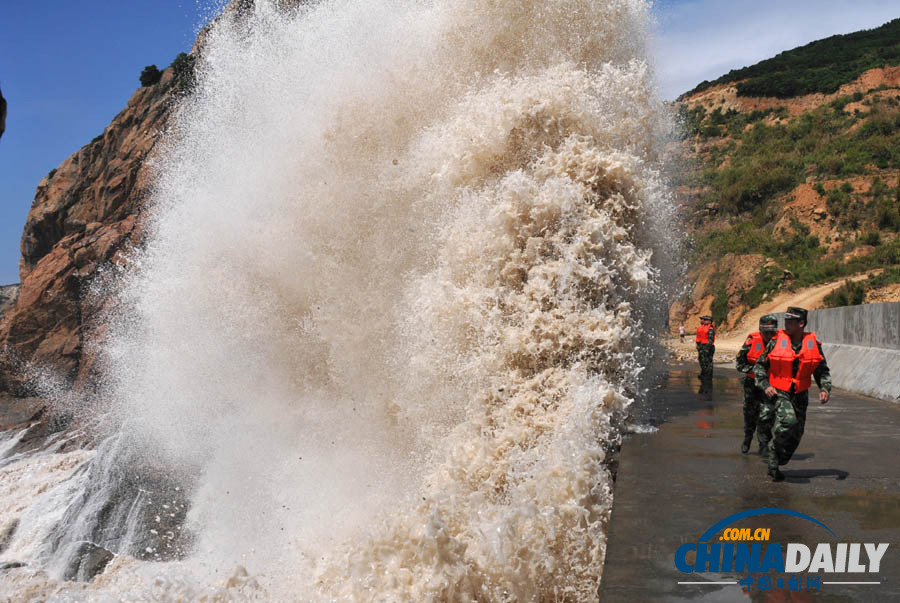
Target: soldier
<point>706,339</point>
<point>783,371</point>
<point>753,396</point>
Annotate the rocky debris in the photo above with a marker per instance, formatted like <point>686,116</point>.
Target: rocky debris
<point>88,561</point>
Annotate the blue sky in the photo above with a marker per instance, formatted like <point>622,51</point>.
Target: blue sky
<point>67,68</point>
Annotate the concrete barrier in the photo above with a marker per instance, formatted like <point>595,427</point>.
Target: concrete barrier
<point>862,346</point>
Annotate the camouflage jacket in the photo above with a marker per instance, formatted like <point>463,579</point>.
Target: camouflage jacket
<point>761,369</point>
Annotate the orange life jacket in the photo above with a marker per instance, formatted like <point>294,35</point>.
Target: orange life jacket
<point>781,362</point>
<point>703,334</point>
<point>755,341</point>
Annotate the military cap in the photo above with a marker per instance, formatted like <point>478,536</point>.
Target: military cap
<point>797,313</point>
<point>768,321</point>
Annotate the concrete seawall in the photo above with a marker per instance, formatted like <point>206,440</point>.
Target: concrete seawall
<point>862,346</point>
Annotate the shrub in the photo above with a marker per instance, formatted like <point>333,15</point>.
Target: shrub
<point>848,294</point>
<point>150,75</point>
<point>183,76</point>
<point>710,132</point>
<point>720,305</point>
<point>872,238</point>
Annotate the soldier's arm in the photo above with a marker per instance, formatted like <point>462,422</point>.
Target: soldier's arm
<point>712,336</point>
<point>822,374</point>
<point>741,363</point>
<point>761,368</point>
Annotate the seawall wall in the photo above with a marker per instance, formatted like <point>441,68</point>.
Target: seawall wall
<point>862,346</point>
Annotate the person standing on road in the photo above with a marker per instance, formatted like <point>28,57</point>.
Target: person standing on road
<point>681,332</point>
<point>754,397</point>
<point>706,348</point>
<point>784,372</point>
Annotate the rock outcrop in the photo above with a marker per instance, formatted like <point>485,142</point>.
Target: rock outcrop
<point>86,213</point>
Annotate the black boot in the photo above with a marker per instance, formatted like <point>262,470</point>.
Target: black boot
<point>776,474</point>
<point>745,447</point>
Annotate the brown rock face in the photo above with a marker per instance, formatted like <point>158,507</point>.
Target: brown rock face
<point>85,214</point>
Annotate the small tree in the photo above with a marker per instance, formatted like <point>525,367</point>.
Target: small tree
<point>150,75</point>
<point>183,71</point>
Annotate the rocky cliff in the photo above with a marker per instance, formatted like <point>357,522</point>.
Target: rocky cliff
<point>86,214</point>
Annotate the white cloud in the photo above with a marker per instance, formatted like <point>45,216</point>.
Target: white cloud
<point>699,40</point>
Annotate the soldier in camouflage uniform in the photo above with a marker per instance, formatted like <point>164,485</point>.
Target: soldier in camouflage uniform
<point>754,397</point>
<point>706,348</point>
<point>783,371</point>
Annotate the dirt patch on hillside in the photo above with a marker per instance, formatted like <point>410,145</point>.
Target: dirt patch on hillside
<point>806,206</point>
<point>736,272</point>
<point>888,293</point>
<point>725,96</point>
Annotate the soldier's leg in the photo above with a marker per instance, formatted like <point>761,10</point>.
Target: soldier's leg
<point>800,404</point>
<point>751,413</point>
<point>765,424</point>
<point>785,435</point>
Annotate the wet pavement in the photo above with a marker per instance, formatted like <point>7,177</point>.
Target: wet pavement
<point>674,484</point>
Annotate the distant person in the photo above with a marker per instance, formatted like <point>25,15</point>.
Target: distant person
<point>681,332</point>
<point>784,372</point>
<point>706,348</point>
<point>754,397</point>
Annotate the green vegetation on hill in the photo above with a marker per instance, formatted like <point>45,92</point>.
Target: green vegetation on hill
<point>150,75</point>
<point>821,66</point>
<point>753,158</point>
<point>744,165</point>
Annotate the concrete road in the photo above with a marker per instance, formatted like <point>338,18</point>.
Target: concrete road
<point>674,484</point>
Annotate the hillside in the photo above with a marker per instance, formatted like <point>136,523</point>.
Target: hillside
<point>788,193</point>
<point>822,66</point>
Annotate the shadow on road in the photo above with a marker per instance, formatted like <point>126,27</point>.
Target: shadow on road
<point>803,476</point>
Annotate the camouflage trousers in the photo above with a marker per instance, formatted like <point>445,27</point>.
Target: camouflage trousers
<point>705,355</point>
<point>785,417</point>
<point>754,401</point>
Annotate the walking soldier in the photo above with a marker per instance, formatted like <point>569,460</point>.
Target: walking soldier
<point>754,397</point>
<point>784,372</point>
<point>706,348</point>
